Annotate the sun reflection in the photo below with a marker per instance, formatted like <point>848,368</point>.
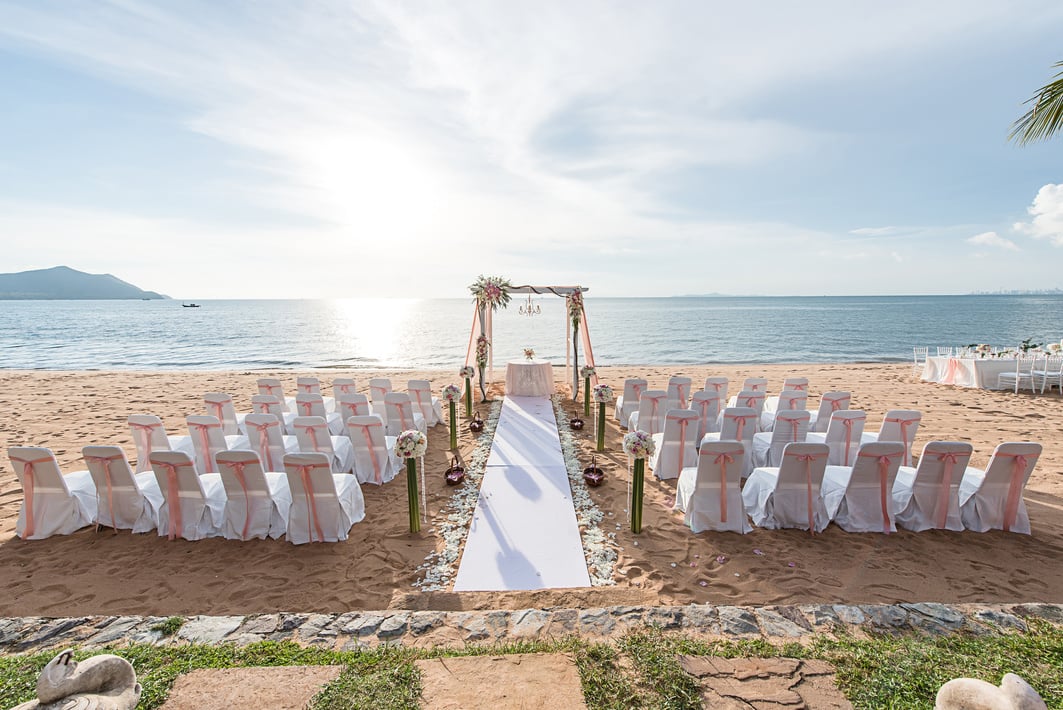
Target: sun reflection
<point>370,328</point>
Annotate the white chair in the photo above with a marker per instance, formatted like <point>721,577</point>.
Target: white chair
<point>859,498</point>
<point>789,496</point>
<point>751,399</point>
<point>842,437</point>
<point>710,495</point>
<point>265,438</point>
<point>352,405</point>
<point>194,504</point>
<point>375,460</point>
<point>927,497</point>
<point>829,403</point>
<point>786,400</point>
<point>1050,374</point>
<point>677,445</point>
<point>1021,378</point>
<point>653,404</point>
<point>707,406</point>
<point>678,392</point>
<point>123,499</point>
<point>257,501</point>
<point>208,440</point>
<point>220,405</point>
<point>401,416</point>
<point>268,404</point>
<point>343,386</point>
<point>379,387</point>
<point>628,402</point>
<point>325,505</point>
<point>992,499</point>
<point>944,351</point>
<point>737,424</point>
<point>52,504</point>
<point>795,383</point>
<point>150,435</point>
<point>311,385</point>
<point>309,404</point>
<point>919,356</point>
<point>756,384</point>
<point>791,426</point>
<point>431,408</point>
<point>717,385</point>
<point>898,425</point>
<point>313,436</point>
<point>272,386</point>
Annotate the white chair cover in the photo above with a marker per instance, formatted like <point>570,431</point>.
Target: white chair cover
<point>325,505</point>
<point>208,440</point>
<point>737,424</point>
<point>352,405</point>
<point>927,497</point>
<point>678,392</point>
<point>786,400</point>
<point>343,386</point>
<point>268,404</point>
<point>653,404</point>
<point>431,408</point>
<point>123,499</point>
<point>272,386</point>
<point>628,403</point>
<point>308,404</point>
<point>194,504</point>
<point>789,496</point>
<point>150,435</point>
<point>756,384</point>
<point>859,498</point>
<point>791,426</point>
<point>257,502</point>
<point>843,436</point>
<point>710,495</point>
<point>375,460</point>
<point>311,385</point>
<point>898,425</point>
<point>752,399</point>
<point>265,439</point>
<point>677,446</point>
<point>992,499</point>
<point>52,504</point>
<point>707,407</point>
<point>829,403</point>
<point>401,416</point>
<point>313,436</point>
<point>717,385</point>
<point>795,383</point>
<point>220,405</point>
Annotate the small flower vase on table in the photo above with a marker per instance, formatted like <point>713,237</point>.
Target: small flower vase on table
<point>587,373</point>
<point>638,445</point>
<point>451,395</point>
<point>603,394</point>
<point>468,373</point>
<point>411,445</point>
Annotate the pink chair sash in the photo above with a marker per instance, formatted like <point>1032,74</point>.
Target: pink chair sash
<point>703,415</point>
<point>173,499</point>
<point>217,408</point>
<point>351,409</point>
<point>372,449</point>
<point>791,402</point>
<point>721,460</point>
<point>403,414</point>
<point>311,430</point>
<point>655,403</point>
<point>716,386</point>
<point>264,451</point>
<point>948,459</point>
<point>420,402</point>
<point>836,403</point>
<point>201,431</point>
<point>1018,470</point>
<point>740,423</point>
<point>883,475</point>
<point>144,433</point>
<point>28,486</point>
<point>311,503</point>
<point>263,408</point>
<point>848,424</point>
<point>270,391</point>
<point>638,390</point>
<point>347,389</point>
<point>808,459</point>
<point>904,424</point>
<point>382,391</point>
<point>106,462</point>
<point>307,407</point>
<point>752,402</point>
<point>238,471</point>
<point>305,387</point>
<point>681,390</point>
<point>801,387</point>
<point>683,421</point>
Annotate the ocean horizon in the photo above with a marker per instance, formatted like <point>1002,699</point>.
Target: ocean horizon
<point>400,333</point>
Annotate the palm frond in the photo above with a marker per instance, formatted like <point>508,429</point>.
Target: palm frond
<point>1045,117</point>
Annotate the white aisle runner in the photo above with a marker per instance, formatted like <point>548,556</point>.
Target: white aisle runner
<point>524,533</point>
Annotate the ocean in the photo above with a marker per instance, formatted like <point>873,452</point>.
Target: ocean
<point>434,333</point>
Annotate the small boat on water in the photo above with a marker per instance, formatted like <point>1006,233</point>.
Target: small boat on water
<point>189,305</point>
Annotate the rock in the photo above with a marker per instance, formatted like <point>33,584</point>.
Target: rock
<point>49,632</point>
<point>664,617</point>
<point>392,626</point>
<point>849,614</point>
<point>934,617</point>
<point>103,682</point>
<point>114,631</point>
<point>774,624</point>
<point>208,629</point>
<point>1001,619</point>
<point>886,617</point>
<point>821,615</point>
<point>736,621</point>
<point>596,621</point>
<point>528,623</point>
<point>421,622</point>
<point>1014,693</point>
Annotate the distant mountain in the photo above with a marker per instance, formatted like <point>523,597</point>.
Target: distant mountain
<point>64,283</point>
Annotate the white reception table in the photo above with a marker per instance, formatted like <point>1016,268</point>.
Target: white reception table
<point>967,371</point>
<point>529,378</point>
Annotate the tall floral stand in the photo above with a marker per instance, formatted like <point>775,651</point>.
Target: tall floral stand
<point>586,396</point>
<point>468,396</point>
<point>638,445</point>
<point>603,394</point>
<point>411,445</point>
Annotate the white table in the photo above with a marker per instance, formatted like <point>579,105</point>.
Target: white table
<point>967,371</point>
<point>529,378</point>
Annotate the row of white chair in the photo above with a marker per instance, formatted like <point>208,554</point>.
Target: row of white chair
<point>1035,374</point>
<point>419,392</point>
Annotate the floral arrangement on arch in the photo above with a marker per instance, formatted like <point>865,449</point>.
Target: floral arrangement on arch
<point>467,371</point>
<point>482,344</point>
<point>491,291</point>
<point>587,371</point>
<point>603,393</point>
<point>452,393</point>
<point>411,444</point>
<point>575,307</point>
<point>639,445</point>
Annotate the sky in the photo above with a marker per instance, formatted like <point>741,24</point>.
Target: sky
<point>326,149</point>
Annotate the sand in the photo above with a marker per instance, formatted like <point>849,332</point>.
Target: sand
<point>99,572</point>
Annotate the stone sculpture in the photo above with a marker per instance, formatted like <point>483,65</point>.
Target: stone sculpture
<point>971,694</point>
<point>103,682</point>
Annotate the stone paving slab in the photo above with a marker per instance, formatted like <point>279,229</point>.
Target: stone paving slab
<point>367,629</point>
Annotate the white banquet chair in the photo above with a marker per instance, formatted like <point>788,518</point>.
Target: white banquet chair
<point>795,383</point>
<point>756,384</point>
<point>1050,374</point>
<point>1021,378</point>
<point>718,385</point>
<point>791,427</point>
<point>707,406</point>
<point>919,356</point>
<point>194,503</point>
<point>325,505</point>
<point>859,498</point>
<point>150,435</point>
<point>343,386</point>
<point>898,425</point>
<point>375,460</point>
<point>628,402</point>
<point>272,386</point>
<point>709,495</point>
<point>352,405</point>
<point>752,399</point>
<point>650,414</point>
<point>678,392</point>
<point>829,403</point>
<point>314,437</point>
<point>257,501</point>
<point>311,385</point>
<point>379,387</point>
<point>786,400</point>
<point>677,445</point>
<point>124,500</point>
<point>927,497</point>
<point>265,438</point>
<point>991,499</point>
<point>842,437</point>
<point>208,440</point>
<point>431,408</point>
<point>52,504</point>
<point>944,351</point>
<point>789,496</point>
<point>401,416</point>
<point>309,404</point>
<point>737,424</point>
<point>268,404</point>
<point>220,405</point>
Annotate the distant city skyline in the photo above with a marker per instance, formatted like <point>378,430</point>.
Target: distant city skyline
<point>331,150</point>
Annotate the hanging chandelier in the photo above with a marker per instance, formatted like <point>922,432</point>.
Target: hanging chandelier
<point>529,308</point>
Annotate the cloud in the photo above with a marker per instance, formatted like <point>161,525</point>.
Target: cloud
<point>992,239</point>
<point>1046,214</point>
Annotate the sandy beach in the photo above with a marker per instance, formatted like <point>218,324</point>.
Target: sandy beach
<point>100,572</point>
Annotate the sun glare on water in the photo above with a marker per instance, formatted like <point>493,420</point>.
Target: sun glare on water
<point>374,328</point>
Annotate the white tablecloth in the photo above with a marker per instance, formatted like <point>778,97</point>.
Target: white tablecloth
<point>530,378</point>
<point>966,372</point>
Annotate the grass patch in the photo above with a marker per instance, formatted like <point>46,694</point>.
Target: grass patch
<point>640,670</point>
<point>170,626</point>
